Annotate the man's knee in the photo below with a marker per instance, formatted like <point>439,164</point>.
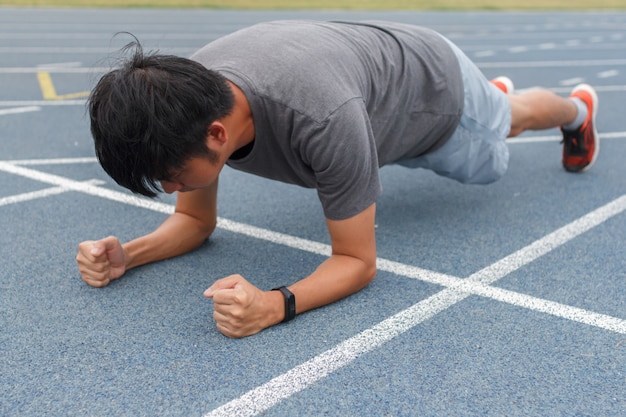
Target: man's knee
<point>519,115</point>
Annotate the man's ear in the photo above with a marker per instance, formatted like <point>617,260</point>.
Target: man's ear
<point>216,134</point>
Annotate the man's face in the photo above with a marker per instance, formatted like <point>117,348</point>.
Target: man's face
<point>195,174</point>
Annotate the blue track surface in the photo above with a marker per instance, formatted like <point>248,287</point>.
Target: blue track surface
<point>500,300</point>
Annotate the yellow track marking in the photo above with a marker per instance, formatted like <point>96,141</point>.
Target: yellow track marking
<point>49,92</point>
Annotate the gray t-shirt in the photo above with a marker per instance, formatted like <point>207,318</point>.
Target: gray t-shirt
<point>334,101</point>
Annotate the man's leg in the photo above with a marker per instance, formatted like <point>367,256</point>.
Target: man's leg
<point>538,110</point>
<point>575,115</point>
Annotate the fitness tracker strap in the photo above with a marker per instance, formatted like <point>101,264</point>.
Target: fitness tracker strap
<point>290,303</point>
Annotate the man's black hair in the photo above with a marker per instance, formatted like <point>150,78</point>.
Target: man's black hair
<point>151,115</point>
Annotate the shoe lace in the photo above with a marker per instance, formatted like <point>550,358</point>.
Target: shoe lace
<point>574,142</point>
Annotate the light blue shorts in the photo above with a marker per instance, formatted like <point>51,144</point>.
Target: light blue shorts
<point>476,153</point>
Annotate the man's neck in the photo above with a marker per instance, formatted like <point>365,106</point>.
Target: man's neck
<point>240,122</point>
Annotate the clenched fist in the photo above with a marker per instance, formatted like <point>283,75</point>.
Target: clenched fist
<point>101,261</point>
<point>241,309</point>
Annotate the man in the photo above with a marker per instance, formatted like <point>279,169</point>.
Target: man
<point>317,104</point>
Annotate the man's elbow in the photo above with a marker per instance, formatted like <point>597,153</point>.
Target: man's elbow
<point>201,229</point>
<point>209,228</point>
<point>369,274</point>
<point>206,230</point>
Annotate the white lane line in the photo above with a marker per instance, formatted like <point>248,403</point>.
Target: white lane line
<point>86,188</point>
<point>511,64</point>
<point>479,283</point>
<point>548,45</point>
<point>558,138</point>
<point>82,50</point>
<point>18,198</point>
<point>53,161</point>
<point>567,90</point>
<point>73,64</point>
<point>541,305</point>
<point>572,81</point>
<point>533,139</point>
<point>10,103</point>
<point>518,49</point>
<point>262,398</point>
<point>549,242</point>
<point>553,64</point>
<point>480,46</point>
<point>613,135</point>
<point>608,74</point>
<point>55,70</point>
<point>274,237</point>
<point>18,110</point>
<point>299,378</point>
<point>205,35</point>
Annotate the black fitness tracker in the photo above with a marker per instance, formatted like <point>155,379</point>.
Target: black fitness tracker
<point>290,303</point>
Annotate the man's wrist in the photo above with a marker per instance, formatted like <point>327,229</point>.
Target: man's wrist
<point>275,312</point>
<point>289,303</point>
<point>130,249</point>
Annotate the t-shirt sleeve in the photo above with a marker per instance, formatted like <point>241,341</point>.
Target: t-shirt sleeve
<point>342,155</point>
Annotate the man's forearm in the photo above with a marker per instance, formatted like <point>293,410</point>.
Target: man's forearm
<point>178,234</point>
<point>337,277</point>
<point>241,309</point>
<point>350,268</point>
